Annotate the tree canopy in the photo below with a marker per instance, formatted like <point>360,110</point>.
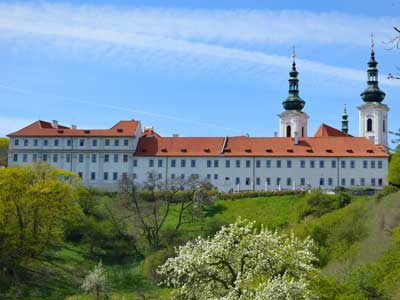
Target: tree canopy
<point>4,142</point>
<point>394,168</point>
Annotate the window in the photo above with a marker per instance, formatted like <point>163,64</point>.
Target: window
<point>160,163</point>
<point>373,164</point>
<point>34,157</point>
<point>288,181</point>
<point>216,176</point>
<point>125,158</point>
<point>237,163</point>
<point>105,176</point>
<point>56,143</point>
<point>343,164</point>
<point>258,163</point>
<point>116,142</point>
<point>312,164</point>
<point>106,157</point>
<point>258,181</point>
<point>183,163</point>
<point>80,174</point>
<point>173,163</point>
<point>247,182</point>
<point>172,176</point>
<point>365,164</point>
<point>209,176</point>
<point>369,124</point>
<point>302,131</point>
<point>115,176</point>
<point>278,163</point>
<point>289,163</point>
<point>182,176</point>
<point>159,176</point>
<point>380,164</point>
<point>380,182</point>
<point>343,182</point>
<point>288,131</point>
<point>362,181</point>
<point>373,181</point>
<point>68,158</point>
<point>115,158</point>
<point>92,176</point>
<point>330,181</point>
<point>107,142</point>
<point>151,163</point>
<point>25,157</point>
<point>227,163</point>
<point>126,142</point>
<point>94,143</point>
<point>268,181</point>
<point>44,157</point>
<point>26,142</point>
<point>94,158</point>
<point>193,163</point>
<point>321,181</point>
<point>80,159</point>
<point>302,164</point>
<point>333,164</point>
<point>55,158</point>
<point>268,163</point>
<point>69,142</point>
<point>16,142</point>
<point>237,180</point>
<point>45,143</point>
<point>216,163</point>
<point>35,143</point>
<point>384,125</point>
<point>208,163</point>
<point>302,181</point>
<point>352,164</point>
<point>81,142</point>
<point>278,181</point>
<point>15,158</point>
<point>322,164</point>
<point>352,182</point>
<point>248,163</point>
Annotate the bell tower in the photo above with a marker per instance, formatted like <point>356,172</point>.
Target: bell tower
<point>293,122</point>
<point>373,114</point>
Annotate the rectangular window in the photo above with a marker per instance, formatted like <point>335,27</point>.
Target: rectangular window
<point>115,176</point>
<point>248,163</point>
<point>330,181</point>
<point>215,176</point>
<point>216,163</point>
<point>107,142</point>
<point>159,176</point>
<point>92,176</point>
<point>258,163</point>
<point>80,159</point>
<point>106,157</point>
<point>268,164</point>
<point>125,158</point>
<point>209,176</point>
<point>373,181</point>
<point>227,163</point>
<point>209,163</point>
<point>116,142</point>
<point>134,175</point>
<point>321,181</point>
<point>322,164</point>
<point>352,164</point>
<point>268,181</point>
<point>25,157</point>
<point>193,163</point>
<point>80,174</point>
<point>352,182</point>
<point>34,157</point>
<point>302,181</point>
<point>278,181</point>
<point>373,164</point>
<point>55,158</point>
<point>16,142</point>
<point>126,142</point>
<point>135,163</point>
<point>115,158</point>
<point>380,182</point>
<point>94,158</point>
<point>35,142</point>
<point>343,164</point>
<point>247,181</point>
<point>151,163</point>
<point>56,143</point>
<point>173,176</point>
<point>160,163</point>
<point>302,164</point>
<point>45,143</point>
<point>26,142</point>
<point>380,164</point>
<point>237,180</point>
<point>333,164</point>
<point>68,158</point>
<point>362,181</point>
<point>183,163</point>
<point>312,164</point>
<point>343,182</point>
<point>81,142</point>
<point>105,176</point>
<point>289,181</point>
<point>258,181</point>
<point>182,176</point>
<point>237,163</point>
<point>44,157</point>
<point>94,143</point>
<point>278,163</point>
<point>69,142</point>
<point>289,164</point>
<point>365,164</point>
<point>173,163</point>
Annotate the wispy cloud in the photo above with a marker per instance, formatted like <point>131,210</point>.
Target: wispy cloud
<point>11,124</point>
<point>167,34</point>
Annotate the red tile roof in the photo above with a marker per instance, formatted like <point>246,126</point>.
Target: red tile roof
<point>43,128</point>
<point>325,130</point>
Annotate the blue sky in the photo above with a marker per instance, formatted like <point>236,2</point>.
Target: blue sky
<point>197,68</point>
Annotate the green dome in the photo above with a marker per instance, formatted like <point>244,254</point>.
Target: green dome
<point>293,101</point>
<point>372,93</point>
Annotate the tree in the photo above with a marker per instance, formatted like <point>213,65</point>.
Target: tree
<point>4,142</point>
<point>95,283</point>
<point>395,44</point>
<point>240,262</point>
<point>35,202</point>
<point>394,168</point>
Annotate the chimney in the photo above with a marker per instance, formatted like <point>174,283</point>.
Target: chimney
<point>74,127</point>
<point>54,124</point>
<point>296,138</point>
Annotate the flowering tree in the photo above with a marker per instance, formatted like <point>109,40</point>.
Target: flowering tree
<point>95,283</point>
<point>242,263</point>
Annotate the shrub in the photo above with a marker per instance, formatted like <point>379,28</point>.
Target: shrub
<point>153,261</point>
<point>255,194</point>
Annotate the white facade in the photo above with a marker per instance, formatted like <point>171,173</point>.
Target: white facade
<point>291,122</point>
<point>373,118</point>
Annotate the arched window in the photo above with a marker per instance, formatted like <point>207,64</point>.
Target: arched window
<point>302,131</point>
<point>384,125</point>
<point>369,125</point>
<point>288,131</point>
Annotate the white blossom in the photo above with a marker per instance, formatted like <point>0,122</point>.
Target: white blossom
<point>95,282</point>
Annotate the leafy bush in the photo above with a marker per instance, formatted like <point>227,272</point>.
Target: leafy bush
<point>387,190</point>
<point>255,194</point>
<point>153,261</point>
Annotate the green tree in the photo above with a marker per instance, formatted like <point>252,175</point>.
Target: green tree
<point>4,142</point>
<point>35,202</point>
<point>394,168</point>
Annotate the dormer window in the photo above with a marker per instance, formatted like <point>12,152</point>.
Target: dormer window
<point>60,131</point>
<point>349,150</point>
<point>290,150</point>
<point>86,131</point>
<point>329,150</point>
<point>207,150</point>
<point>370,151</point>
<point>310,150</point>
<point>184,150</point>
<point>248,150</point>
<point>228,150</point>
<point>164,150</point>
<point>268,150</point>
<point>120,130</point>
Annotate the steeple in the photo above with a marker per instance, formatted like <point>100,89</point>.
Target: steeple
<point>293,102</point>
<point>372,93</point>
<point>345,121</point>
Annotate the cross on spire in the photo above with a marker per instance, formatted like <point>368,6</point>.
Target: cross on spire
<point>294,53</point>
<point>372,42</point>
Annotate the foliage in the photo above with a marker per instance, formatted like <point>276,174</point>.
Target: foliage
<point>4,142</point>
<point>240,262</point>
<point>154,260</point>
<point>387,190</point>
<point>34,206</point>
<point>95,283</point>
<point>255,194</point>
<point>394,168</point>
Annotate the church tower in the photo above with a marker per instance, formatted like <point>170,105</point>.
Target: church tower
<point>345,121</point>
<point>293,122</point>
<point>373,114</point>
